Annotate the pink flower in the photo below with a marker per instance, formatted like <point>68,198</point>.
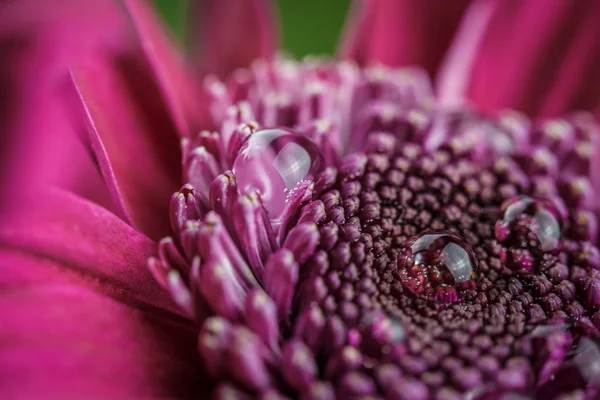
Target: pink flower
<point>333,232</point>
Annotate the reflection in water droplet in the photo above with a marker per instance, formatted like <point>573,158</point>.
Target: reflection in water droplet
<point>437,265</point>
<point>529,233</point>
<point>273,162</point>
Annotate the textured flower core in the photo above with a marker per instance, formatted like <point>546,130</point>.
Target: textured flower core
<point>305,267</point>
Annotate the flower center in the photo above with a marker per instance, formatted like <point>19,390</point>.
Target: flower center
<point>364,242</point>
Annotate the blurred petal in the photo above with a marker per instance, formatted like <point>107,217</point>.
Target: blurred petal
<point>59,338</point>
<point>135,89</point>
<point>401,32</point>
<point>90,243</point>
<point>230,34</point>
<point>540,57</point>
<point>180,89</point>
<point>132,136</point>
<point>38,39</point>
<point>455,72</point>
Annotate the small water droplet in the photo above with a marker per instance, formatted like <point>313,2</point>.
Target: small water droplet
<point>437,265</point>
<point>529,233</point>
<point>273,162</point>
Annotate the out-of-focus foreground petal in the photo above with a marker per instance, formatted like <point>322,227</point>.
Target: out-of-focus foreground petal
<point>38,39</point>
<point>230,34</point>
<point>180,88</point>
<point>540,57</point>
<point>60,338</point>
<point>133,138</point>
<point>136,91</point>
<point>81,315</point>
<point>401,32</point>
<point>91,243</point>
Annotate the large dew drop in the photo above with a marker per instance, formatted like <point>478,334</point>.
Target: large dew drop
<point>273,162</point>
<point>437,265</point>
<point>529,233</point>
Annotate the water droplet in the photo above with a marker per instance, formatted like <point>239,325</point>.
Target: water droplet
<point>273,162</point>
<point>437,265</point>
<point>529,233</point>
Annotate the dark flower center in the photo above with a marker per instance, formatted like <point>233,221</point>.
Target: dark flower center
<point>440,254</point>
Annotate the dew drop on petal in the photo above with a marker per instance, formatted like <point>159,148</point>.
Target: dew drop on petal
<point>273,162</point>
<point>529,233</point>
<point>437,265</point>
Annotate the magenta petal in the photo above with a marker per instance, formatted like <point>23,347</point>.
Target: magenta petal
<point>60,338</point>
<point>540,57</point>
<point>38,40</point>
<point>401,32</point>
<point>230,34</point>
<point>90,243</point>
<point>132,137</point>
<point>179,87</point>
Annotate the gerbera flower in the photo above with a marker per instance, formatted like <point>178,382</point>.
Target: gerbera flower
<point>336,229</point>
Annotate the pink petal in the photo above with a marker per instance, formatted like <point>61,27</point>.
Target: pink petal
<point>401,32</point>
<point>37,41</point>
<point>135,123</point>
<point>59,338</point>
<point>230,34</point>
<point>91,244</point>
<point>179,87</point>
<point>455,72</point>
<point>540,57</point>
<point>132,136</point>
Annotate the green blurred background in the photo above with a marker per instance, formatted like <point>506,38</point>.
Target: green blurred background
<point>308,26</point>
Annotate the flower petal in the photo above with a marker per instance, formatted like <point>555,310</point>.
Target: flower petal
<point>540,57</point>
<point>132,136</point>
<point>401,32</point>
<point>178,85</point>
<point>59,338</point>
<point>455,72</point>
<point>37,42</point>
<point>152,100</point>
<point>230,34</point>
<point>90,243</point>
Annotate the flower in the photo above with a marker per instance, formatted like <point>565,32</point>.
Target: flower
<point>337,231</point>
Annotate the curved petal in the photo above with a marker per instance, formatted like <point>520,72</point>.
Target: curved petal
<point>540,57</point>
<point>132,136</point>
<point>135,91</point>
<point>37,42</point>
<point>90,243</point>
<point>455,72</point>
<point>179,86</point>
<point>230,34</point>
<point>401,32</point>
<point>59,338</point>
